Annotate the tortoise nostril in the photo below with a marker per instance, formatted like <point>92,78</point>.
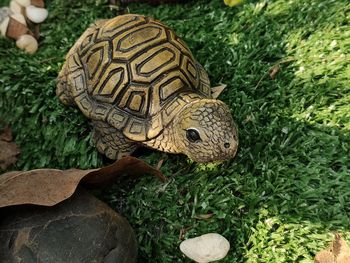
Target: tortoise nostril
<point>227,145</point>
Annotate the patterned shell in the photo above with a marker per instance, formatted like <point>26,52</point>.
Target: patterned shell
<point>130,71</point>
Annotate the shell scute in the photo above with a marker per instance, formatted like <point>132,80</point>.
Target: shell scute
<point>136,129</point>
<point>166,89</point>
<point>189,70</point>
<point>135,101</point>
<point>133,42</point>
<point>113,81</point>
<point>116,26</point>
<point>154,62</point>
<point>117,118</point>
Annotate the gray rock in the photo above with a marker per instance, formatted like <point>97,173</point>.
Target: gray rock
<point>79,229</point>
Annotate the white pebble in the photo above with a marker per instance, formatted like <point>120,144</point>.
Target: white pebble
<point>36,14</point>
<point>27,43</point>
<point>206,248</point>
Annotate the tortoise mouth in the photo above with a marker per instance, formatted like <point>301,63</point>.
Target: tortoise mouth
<point>214,159</point>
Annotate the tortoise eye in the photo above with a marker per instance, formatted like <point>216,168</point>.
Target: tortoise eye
<point>192,135</point>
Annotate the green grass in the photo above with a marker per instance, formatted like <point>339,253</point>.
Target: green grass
<point>289,187</point>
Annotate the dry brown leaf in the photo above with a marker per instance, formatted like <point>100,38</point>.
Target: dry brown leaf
<point>216,91</point>
<point>128,165</point>
<point>274,70</point>
<point>160,163</point>
<point>337,252</point>
<point>204,216</point>
<point>183,231</point>
<point>8,149</point>
<point>50,186</point>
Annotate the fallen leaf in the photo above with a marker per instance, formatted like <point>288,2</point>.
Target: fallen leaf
<point>161,161</point>
<point>249,118</point>
<point>274,70</point>
<point>232,3</point>
<point>128,166</point>
<point>216,91</point>
<point>8,149</point>
<point>337,252</point>
<point>50,186</point>
<point>204,216</point>
<point>183,231</point>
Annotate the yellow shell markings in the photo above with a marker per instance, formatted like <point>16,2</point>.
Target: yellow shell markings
<point>149,54</point>
<point>132,75</point>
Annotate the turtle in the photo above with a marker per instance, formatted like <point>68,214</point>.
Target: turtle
<point>140,85</point>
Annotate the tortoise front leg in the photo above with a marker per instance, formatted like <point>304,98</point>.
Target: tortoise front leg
<point>111,142</point>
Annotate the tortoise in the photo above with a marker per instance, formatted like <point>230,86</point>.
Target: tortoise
<point>141,86</point>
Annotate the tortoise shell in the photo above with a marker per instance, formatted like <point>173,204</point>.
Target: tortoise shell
<point>130,71</point>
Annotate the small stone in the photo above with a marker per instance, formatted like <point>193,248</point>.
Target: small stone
<point>206,248</point>
<point>4,13</point>
<point>36,14</point>
<point>28,43</point>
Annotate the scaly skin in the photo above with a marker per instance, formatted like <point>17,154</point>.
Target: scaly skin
<point>217,130</point>
<point>210,117</point>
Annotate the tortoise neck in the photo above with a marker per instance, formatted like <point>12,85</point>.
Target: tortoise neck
<point>165,141</point>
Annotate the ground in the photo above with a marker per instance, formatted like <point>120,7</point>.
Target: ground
<point>287,190</point>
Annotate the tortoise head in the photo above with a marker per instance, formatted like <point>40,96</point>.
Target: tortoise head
<point>205,131</point>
